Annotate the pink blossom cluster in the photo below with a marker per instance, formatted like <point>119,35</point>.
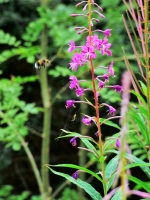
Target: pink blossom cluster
<point>88,51</point>
<point>83,54</point>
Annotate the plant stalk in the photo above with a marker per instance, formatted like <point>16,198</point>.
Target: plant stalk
<point>96,102</point>
<point>45,92</point>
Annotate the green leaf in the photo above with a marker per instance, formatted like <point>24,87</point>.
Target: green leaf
<point>134,159</point>
<point>140,123</point>
<point>5,190</point>
<point>110,142</point>
<point>144,88</point>
<point>109,123</point>
<point>102,159</point>
<point>85,139</point>
<point>129,166</point>
<point>110,169</point>
<point>144,111</point>
<point>118,195</point>
<point>142,184</point>
<point>138,96</point>
<point>79,168</point>
<point>16,146</point>
<point>86,186</point>
<point>60,71</point>
<point>24,195</point>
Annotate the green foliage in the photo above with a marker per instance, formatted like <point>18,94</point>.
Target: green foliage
<point>6,38</point>
<point>4,1</point>
<point>139,138</point>
<point>14,112</point>
<point>110,171</point>
<point>79,168</point>
<point>117,195</point>
<point>6,192</point>
<point>109,123</point>
<point>68,194</point>
<point>86,186</point>
<point>60,71</point>
<point>140,183</point>
<point>61,24</point>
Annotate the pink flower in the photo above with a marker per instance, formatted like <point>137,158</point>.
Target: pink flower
<point>73,141</point>
<point>107,32</point>
<point>79,91</point>
<point>75,175</point>
<point>73,82</point>
<point>101,84</point>
<point>118,143</point>
<point>86,120</point>
<point>111,110</point>
<point>104,47</point>
<point>77,60</point>
<point>117,88</point>
<point>92,40</point>
<point>70,103</point>
<point>106,77</point>
<point>110,69</point>
<point>71,46</point>
<point>88,52</point>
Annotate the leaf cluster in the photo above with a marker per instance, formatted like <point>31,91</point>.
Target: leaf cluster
<point>14,112</point>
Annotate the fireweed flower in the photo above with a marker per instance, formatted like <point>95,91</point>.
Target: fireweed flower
<point>111,70</point>
<point>77,60</point>
<point>118,143</point>
<point>94,40</point>
<point>71,46</point>
<point>73,141</point>
<point>82,55</point>
<point>79,92</point>
<point>88,52</point>
<point>94,44</point>
<point>87,120</point>
<point>75,175</point>
<point>73,82</point>
<point>106,77</point>
<point>101,84</point>
<point>111,109</point>
<point>104,47</point>
<point>70,103</point>
<point>107,32</point>
<point>117,88</point>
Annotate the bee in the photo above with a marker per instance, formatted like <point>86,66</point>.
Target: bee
<point>41,63</point>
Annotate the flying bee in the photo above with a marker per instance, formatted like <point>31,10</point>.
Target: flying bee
<point>41,63</point>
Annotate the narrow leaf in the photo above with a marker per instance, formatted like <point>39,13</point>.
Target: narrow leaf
<point>79,168</point>
<point>86,186</point>
<point>110,169</point>
<point>140,183</point>
<point>109,123</point>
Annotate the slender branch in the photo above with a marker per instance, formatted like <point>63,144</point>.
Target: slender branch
<point>29,155</point>
<point>147,61</point>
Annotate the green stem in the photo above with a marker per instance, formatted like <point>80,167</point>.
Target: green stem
<point>30,157</point>
<point>147,62</point>
<point>96,102</point>
<point>45,92</point>
<point>82,154</point>
<point>33,164</point>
